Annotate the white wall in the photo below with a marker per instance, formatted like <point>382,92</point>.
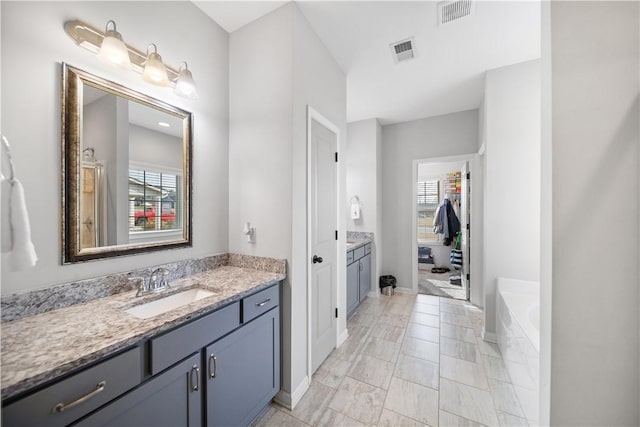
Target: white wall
<point>430,171</point>
<point>99,131</point>
<point>318,81</point>
<point>363,163</point>
<point>154,148</point>
<point>595,189</point>
<point>476,269</point>
<point>402,143</point>
<point>278,66</point>
<point>31,118</point>
<point>362,167</point>
<point>260,150</point>
<point>512,179</point>
<point>260,123</point>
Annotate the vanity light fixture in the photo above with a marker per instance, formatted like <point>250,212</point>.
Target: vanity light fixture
<point>154,70</point>
<point>112,49</point>
<point>185,85</point>
<point>108,45</point>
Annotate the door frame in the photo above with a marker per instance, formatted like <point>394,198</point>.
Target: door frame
<point>469,158</point>
<point>313,114</point>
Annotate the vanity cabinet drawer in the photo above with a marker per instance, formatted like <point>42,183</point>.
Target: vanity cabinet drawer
<point>77,395</point>
<point>358,253</point>
<point>367,249</point>
<point>261,302</point>
<point>177,344</point>
<point>349,257</point>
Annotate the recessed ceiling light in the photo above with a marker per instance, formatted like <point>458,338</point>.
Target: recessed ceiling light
<point>164,124</point>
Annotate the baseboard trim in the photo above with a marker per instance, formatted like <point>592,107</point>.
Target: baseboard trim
<point>489,336</point>
<point>342,337</point>
<point>373,294</point>
<point>290,400</point>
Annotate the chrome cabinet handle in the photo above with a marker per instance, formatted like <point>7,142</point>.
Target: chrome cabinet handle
<point>260,304</point>
<point>213,372</point>
<point>195,385</point>
<point>62,406</point>
<point>361,267</point>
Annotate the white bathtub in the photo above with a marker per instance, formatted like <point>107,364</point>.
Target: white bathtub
<point>523,300</point>
<point>518,330</point>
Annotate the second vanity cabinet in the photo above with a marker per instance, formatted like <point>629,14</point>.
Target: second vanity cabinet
<point>358,276</point>
<point>219,370</point>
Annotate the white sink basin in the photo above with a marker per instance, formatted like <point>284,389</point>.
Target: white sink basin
<point>163,305</point>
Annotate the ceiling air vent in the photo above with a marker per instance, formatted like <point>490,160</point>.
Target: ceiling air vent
<point>452,10</point>
<point>403,50</point>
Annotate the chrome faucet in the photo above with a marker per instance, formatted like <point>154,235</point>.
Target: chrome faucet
<point>157,282</point>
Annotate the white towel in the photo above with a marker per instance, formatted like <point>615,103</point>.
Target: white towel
<point>16,231</point>
<point>5,191</point>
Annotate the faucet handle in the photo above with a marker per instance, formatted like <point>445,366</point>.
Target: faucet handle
<point>139,284</point>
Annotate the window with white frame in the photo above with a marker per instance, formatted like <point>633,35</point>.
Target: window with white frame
<point>427,203</point>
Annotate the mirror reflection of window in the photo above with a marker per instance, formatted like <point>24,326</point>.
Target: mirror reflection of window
<point>154,204</point>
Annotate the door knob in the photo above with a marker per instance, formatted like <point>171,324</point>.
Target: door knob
<point>317,259</point>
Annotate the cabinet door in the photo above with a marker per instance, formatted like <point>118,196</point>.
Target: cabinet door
<point>365,276</point>
<point>170,399</point>
<point>243,372</point>
<point>352,287</point>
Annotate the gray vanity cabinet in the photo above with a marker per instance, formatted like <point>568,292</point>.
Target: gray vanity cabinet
<point>68,400</point>
<point>172,398</point>
<point>220,369</point>
<point>353,293</point>
<point>364,281</point>
<point>358,276</point>
<point>243,372</point>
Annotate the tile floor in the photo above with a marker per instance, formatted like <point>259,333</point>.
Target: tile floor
<point>410,360</point>
<point>438,284</point>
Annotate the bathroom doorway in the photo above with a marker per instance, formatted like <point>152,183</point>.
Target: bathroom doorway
<point>442,225</point>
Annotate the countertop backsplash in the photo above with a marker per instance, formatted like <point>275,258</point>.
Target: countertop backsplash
<point>359,235</point>
<point>17,306</point>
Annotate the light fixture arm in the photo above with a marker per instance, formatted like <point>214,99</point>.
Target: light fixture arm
<point>155,49</point>
<point>91,38</point>
<point>106,27</point>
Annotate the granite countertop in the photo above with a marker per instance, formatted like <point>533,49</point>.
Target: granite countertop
<point>355,244</point>
<point>39,348</point>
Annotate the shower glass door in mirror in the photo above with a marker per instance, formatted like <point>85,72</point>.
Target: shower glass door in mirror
<point>126,169</point>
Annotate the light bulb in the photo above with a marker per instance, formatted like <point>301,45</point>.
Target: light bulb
<point>113,50</point>
<point>185,85</point>
<point>154,70</point>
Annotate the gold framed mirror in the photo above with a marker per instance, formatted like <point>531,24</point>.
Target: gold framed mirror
<point>126,170</point>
